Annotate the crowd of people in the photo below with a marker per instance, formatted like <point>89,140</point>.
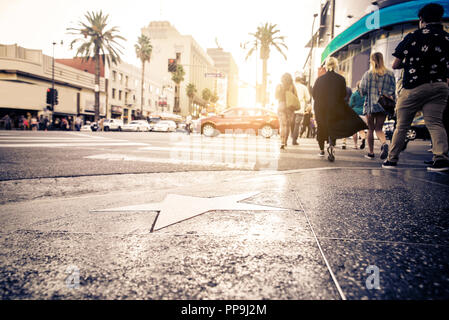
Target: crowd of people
<point>41,123</point>
<point>423,57</point>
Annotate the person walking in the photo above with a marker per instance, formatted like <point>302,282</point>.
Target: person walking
<point>299,116</point>
<point>334,117</point>
<point>347,98</point>
<point>7,121</point>
<point>306,122</point>
<point>285,113</point>
<point>356,102</point>
<point>424,56</point>
<point>376,82</point>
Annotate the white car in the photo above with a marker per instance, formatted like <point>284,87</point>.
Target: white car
<point>165,126</point>
<point>137,126</point>
<point>113,125</point>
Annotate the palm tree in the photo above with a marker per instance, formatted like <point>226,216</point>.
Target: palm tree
<point>265,37</point>
<point>191,91</point>
<point>177,78</point>
<point>97,41</point>
<point>206,94</point>
<point>143,51</point>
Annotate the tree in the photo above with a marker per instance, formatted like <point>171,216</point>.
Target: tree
<point>177,78</point>
<point>265,37</point>
<point>214,98</point>
<point>143,51</point>
<point>97,41</point>
<point>206,94</point>
<point>191,91</point>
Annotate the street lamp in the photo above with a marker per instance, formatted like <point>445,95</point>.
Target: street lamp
<point>311,51</point>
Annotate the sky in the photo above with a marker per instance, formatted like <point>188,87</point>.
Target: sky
<point>37,24</point>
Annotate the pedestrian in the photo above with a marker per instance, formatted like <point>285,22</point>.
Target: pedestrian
<point>101,124</point>
<point>335,119</point>
<point>285,113</point>
<point>312,127</point>
<point>424,56</point>
<point>78,123</point>
<point>298,117</point>
<point>347,98</point>
<point>189,124</point>
<point>34,123</point>
<point>376,82</point>
<point>306,122</point>
<point>7,121</point>
<point>356,102</point>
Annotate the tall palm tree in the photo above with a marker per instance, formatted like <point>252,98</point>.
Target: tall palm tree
<point>191,91</point>
<point>143,51</point>
<point>266,37</point>
<point>177,78</point>
<point>97,42</point>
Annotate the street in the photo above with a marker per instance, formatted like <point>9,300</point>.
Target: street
<point>168,216</point>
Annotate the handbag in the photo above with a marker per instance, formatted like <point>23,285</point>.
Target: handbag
<point>292,101</point>
<point>387,103</point>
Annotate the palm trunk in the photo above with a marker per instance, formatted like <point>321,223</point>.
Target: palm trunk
<point>97,85</point>
<point>142,89</point>
<point>264,82</point>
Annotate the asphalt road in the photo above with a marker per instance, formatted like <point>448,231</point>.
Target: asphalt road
<point>29,155</point>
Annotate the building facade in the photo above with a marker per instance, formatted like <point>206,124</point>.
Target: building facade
<point>225,63</point>
<point>352,30</point>
<point>167,44</point>
<point>123,87</point>
<point>25,77</point>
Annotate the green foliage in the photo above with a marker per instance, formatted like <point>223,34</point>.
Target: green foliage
<point>178,76</point>
<point>191,90</point>
<point>143,48</point>
<point>96,39</point>
<point>265,37</point>
<point>206,94</point>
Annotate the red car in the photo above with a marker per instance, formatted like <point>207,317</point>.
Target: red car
<point>259,120</point>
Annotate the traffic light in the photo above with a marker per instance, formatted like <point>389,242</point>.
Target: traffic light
<point>55,95</point>
<point>172,65</point>
<point>49,96</point>
<point>52,96</point>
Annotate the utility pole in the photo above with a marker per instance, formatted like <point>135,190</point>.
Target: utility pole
<point>53,79</point>
<point>311,51</point>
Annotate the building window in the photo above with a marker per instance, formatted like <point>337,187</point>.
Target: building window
<point>134,98</point>
<point>114,75</point>
<point>113,93</point>
<point>149,102</point>
<point>120,95</point>
<point>126,81</point>
<point>120,78</point>
<point>126,97</point>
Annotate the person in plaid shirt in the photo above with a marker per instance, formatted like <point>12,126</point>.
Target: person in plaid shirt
<point>375,82</point>
<point>424,56</point>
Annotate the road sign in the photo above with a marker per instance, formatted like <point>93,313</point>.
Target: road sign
<point>214,75</point>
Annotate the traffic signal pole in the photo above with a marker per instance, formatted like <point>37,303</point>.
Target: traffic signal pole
<point>53,79</point>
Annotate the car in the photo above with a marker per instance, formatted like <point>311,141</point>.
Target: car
<point>86,127</point>
<point>164,126</point>
<point>418,129</point>
<point>262,121</point>
<point>113,125</point>
<point>137,126</point>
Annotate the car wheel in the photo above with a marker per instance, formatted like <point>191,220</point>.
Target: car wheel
<point>106,128</point>
<point>119,128</point>
<point>266,131</point>
<point>209,130</point>
<point>411,134</point>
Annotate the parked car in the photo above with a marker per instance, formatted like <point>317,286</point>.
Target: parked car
<point>418,129</point>
<point>137,126</point>
<point>164,126</point>
<point>113,125</point>
<point>259,120</point>
<point>86,127</point>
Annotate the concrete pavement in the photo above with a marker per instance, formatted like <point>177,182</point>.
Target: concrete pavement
<point>347,232</point>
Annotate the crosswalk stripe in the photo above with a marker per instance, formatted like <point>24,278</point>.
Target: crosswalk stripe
<point>59,145</point>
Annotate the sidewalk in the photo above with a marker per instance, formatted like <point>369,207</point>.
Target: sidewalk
<point>339,227</point>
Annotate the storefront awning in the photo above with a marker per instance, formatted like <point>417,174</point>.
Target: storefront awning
<point>395,14</point>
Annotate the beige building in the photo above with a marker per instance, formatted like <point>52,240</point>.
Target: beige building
<point>124,92</point>
<point>225,63</point>
<point>25,76</point>
<point>167,44</point>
